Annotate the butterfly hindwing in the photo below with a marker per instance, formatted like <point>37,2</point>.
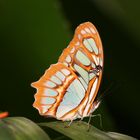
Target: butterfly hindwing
<point>58,91</point>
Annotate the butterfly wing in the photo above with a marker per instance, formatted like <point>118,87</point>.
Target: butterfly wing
<point>58,92</point>
<point>84,54</point>
<point>67,89</point>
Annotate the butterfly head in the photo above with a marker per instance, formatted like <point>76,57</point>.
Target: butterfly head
<point>97,70</point>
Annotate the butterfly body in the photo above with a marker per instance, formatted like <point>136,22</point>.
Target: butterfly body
<point>68,88</point>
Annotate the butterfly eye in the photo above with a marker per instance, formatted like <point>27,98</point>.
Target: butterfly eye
<point>98,68</point>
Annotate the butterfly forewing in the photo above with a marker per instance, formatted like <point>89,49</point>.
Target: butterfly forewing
<point>68,89</point>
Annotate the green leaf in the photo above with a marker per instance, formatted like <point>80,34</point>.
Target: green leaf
<point>19,128</point>
<point>79,131</point>
<point>118,136</point>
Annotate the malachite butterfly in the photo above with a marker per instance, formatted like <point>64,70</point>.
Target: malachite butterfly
<point>68,89</point>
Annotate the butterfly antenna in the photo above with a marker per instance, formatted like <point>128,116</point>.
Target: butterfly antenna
<point>112,87</point>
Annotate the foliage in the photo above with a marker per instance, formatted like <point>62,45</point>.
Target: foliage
<point>19,128</point>
<point>15,128</point>
<point>79,131</point>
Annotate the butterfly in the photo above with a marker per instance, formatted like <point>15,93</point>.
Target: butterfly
<point>68,89</point>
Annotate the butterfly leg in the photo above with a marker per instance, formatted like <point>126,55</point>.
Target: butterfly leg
<point>67,126</point>
<point>89,122</point>
<point>92,116</point>
<point>79,122</point>
<point>101,123</point>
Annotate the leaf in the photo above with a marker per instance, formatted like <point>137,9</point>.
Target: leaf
<point>118,136</point>
<point>79,131</point>
<point>19,128</point>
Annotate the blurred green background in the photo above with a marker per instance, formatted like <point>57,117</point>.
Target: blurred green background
<point>34,33</point>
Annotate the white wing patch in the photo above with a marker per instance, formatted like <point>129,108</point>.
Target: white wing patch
<point>90,44</point>
<point>83,82</point>
<point>68,59</point>
<point>87,30</point>
<point>66,72</point>
<point>56,80</point>
<point>72,98</point>
<point>96,59</point>
<point>72,50</point>
<point>101,62</point>
<point>93,45</point>
<point>50,84</point>
<point>47,100</point>
<point>91,96</point>
<point>93,31</point>
<point>82,72</point>
<point>83,32</point>
<point>66,64</point>
<point>61,76</point>
<point>63,109</point>
<point>87,45</point>
<point>91,75</point>
<point>50,92</point>
<point>45,108</point>
<point>82,58</point>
